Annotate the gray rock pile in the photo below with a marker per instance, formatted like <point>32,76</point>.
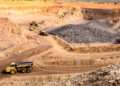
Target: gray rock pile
<point>93,31</point>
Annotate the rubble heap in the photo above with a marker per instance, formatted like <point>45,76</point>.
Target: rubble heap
<point>93,31</point>
<point>108,76</point>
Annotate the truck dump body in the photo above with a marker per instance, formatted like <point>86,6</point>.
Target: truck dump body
<point>24,63</point>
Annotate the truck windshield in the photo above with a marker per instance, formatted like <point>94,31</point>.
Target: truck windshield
<point>11,65</point>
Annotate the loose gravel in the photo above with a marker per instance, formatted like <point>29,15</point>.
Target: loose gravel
<point>93,31</point>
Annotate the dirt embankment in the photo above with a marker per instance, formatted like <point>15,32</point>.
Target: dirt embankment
<point>97,49</point>
<point>87,48</point>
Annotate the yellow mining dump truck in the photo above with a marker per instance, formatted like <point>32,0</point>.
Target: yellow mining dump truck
<point>14,67</point>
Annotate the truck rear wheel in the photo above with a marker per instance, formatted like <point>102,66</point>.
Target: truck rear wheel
<point>29,70</point>
<point>24,70</point>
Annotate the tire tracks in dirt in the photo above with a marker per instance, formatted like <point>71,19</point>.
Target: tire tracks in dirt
<point>23,55</point>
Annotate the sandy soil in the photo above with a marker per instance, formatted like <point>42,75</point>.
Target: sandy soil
<point>49,55</point>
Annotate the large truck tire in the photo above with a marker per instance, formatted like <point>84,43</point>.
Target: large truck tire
<point>13,72</point>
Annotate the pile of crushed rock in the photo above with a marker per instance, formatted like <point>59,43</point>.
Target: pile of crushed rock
<point>108,76</point>
<point>92,31</point>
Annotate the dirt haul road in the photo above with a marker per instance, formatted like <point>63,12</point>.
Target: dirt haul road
<point>23,55</point>
<point>61,69</point>
<point>58,69</point>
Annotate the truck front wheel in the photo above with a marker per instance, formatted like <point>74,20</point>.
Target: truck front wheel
<point>12,72</point>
